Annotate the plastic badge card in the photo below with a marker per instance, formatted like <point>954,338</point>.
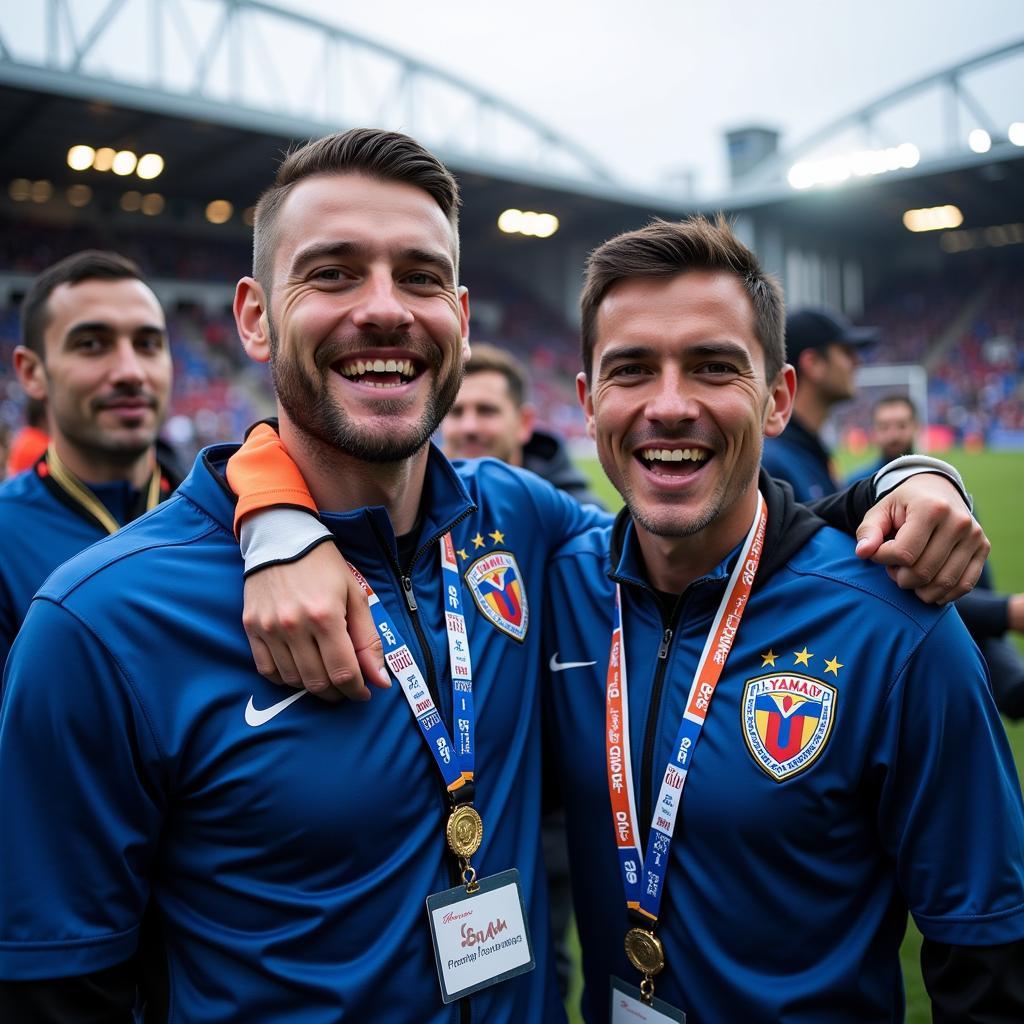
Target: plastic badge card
<point>629,1008</point>
<point>479,938</point>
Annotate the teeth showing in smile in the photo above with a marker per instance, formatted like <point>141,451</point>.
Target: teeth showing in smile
<point>674,455</point>
<point>356,369</point>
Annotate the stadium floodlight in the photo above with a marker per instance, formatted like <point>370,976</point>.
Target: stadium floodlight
<point>152,204</point>
<point>104,159</point>
<point>131,201</point>
<point>528,222</point>
<point>249,216</point>
<point>834,170</point>
<point>1015,133</point>
<point>42,191</point>
<point>20,189</point>
<point>510,221</point>
<point>124,162</point>
<point>150,166</point>
<point>79,195</point>
<point>933,218</point>
<point>80,158</point>
<point>219,211</point>
<point>979,140</point>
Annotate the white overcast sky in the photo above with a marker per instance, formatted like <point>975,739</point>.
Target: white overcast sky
<point>649,86</point>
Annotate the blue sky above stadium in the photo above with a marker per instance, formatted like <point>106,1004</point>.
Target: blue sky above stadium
<point>649,87</point>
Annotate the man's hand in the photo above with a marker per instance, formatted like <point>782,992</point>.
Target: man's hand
<point>309,626</point>
<point>934,547</point>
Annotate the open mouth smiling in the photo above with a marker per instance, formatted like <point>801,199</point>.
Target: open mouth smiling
<point>674,461</point>
<point>378,372</point>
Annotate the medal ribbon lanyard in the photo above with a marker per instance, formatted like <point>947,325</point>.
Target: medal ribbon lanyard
<point>455,760</point>
<point>644,878</point>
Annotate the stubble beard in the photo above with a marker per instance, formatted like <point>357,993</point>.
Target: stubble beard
<point>315,411</point>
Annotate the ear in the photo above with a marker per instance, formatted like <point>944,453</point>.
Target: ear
<point>463,293</point>
<point>31,373</point>
<point>250,308</point>
<point>586,403</point>
<point>780,401</point>
<point>527,422</point>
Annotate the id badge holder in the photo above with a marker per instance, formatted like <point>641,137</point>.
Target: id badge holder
<point>480,938</point>
<point>627,1007</point>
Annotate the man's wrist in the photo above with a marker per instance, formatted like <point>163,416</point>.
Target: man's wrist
<point>892,474</point>
<point>278,535</point>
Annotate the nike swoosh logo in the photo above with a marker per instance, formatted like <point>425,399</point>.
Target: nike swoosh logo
<point>260,716</point>
<point>560,666</point>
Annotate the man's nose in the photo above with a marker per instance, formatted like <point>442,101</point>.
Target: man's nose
<point>381,305</point>
<point>672,402</point>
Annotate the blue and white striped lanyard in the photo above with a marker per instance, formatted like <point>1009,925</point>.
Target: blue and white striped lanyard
<point>455,760</point>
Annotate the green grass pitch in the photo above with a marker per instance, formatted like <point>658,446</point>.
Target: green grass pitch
<point>994,479</point>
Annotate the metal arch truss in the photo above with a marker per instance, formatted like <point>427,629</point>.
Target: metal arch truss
<point>251,63</point>
<point>957,97</point>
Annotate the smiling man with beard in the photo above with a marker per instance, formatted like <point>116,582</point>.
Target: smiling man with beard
<point>239,856</point>
<point>94,348</point>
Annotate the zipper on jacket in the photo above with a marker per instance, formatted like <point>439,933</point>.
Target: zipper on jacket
<point>651,729</point>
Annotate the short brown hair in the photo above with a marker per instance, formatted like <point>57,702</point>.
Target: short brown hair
<point>664,249</point>
<point>87,265</point>
<point>386,156</point>
<point>489,358</point>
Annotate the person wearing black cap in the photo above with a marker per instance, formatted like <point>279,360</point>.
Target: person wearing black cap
<point>824,347</point>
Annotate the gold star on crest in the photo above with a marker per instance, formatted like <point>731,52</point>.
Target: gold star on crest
<point>478,541</point>
<point>462,554</point>
<point>803,657</point>
<point>497,536</point>
<point>768,658</point>
<point>833,666</point>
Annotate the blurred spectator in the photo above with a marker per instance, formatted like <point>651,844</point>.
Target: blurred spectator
<point>492,417</point>
<point>825,349</point>
<point>31,440</point>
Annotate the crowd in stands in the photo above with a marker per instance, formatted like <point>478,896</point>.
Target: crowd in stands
<point>966,328</point>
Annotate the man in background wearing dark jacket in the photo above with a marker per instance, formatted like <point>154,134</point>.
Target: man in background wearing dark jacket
<point>491,417</point>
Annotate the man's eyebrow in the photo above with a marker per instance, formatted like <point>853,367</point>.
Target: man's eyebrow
<point>343,250</point>
<point>101,326</point>
<point>729,349</point>
<point>624,353</point>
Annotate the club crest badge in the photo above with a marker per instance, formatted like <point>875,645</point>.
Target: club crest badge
<point>497,588</point>
<point>787,721</point>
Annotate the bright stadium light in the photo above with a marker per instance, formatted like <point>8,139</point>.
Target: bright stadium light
<point>219,211</point>
<point>528,222</point>
<point>834,170</point>
<point>150,166</point>
<point>79,195</point>
<point>104,159</point>
<point>909,154</point>
<point>124,162</point>
<point>979,140</point>
<point>510,221</point>
<point>80,158</point>
<point>933,218</point>
<point>1015,133</point>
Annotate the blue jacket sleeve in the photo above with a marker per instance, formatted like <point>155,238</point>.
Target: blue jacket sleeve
<point>949,810</point>
<point>81,803</point>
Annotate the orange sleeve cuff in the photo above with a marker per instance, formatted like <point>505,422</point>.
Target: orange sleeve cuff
<point>263,475</point>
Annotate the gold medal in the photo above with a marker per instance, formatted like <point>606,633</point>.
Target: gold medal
<point>464,831</point>
<point>645,951</point>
